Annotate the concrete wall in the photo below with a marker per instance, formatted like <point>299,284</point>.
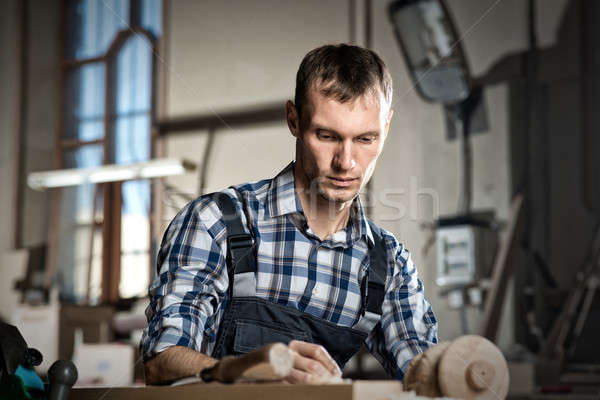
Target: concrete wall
<point>41,114</point>
<point>421,161</point>
<point>9,81</point>
<point>222,56</point>
<point>39,123</point>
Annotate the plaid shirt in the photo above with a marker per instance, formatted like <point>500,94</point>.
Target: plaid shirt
<point>295,268</point>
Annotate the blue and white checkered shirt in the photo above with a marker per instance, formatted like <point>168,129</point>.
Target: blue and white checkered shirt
<point>295,268</point>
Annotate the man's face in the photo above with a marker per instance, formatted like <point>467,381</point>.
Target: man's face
<point>338,143</point>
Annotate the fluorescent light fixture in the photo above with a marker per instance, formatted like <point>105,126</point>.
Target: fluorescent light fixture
<point>157,168</point>
<point>112,175</point>
<point>165,167</point>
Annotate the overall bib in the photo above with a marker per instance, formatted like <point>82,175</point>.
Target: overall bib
<point>250,322</point>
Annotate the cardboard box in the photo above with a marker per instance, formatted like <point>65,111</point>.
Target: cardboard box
<point>107,364</point>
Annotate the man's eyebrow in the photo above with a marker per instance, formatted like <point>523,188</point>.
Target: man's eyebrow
<point>325,128</point>
<point>374,133</point>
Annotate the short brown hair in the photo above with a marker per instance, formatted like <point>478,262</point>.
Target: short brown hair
<point>347,71</point>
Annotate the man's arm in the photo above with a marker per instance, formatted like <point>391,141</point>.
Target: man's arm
<point>174,363</point>
<point>185,296</point>
<point>408,326</point>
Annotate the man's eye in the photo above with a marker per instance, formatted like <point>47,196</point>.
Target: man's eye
<point>324,136</point>
<point>366,139</point>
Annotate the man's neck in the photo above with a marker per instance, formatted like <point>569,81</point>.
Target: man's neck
<point>324,217</point>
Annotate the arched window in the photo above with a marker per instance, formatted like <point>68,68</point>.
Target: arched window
<point>100,241</point>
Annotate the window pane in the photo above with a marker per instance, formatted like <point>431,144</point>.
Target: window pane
<point>92,25</point>
<point>131,128</point>
<point>84,102</point>
<point>132,139</point>
<point>135,239</point>
<point>76,224</point>
<point>84,157</point>
<point>134,76</point>
<point>151,16</point>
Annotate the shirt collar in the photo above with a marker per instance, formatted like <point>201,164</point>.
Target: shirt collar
<point>282,199</point>
<point>359,221</point>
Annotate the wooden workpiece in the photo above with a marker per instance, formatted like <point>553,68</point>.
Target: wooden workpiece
<point>422,373</point>
<point>470,367</point>
<point>269,363</point>
<point>473,368</point>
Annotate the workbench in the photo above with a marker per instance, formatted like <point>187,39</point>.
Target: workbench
<point>355,390</point>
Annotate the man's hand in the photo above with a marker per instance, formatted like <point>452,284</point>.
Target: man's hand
<point>312,364</point>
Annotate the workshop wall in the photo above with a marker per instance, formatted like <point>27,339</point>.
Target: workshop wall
<point>420,159</point>
<point>9,78</point>
<point>38,128</point>
<point>41,114</point>
<point>222,58</point>
<point>35,121</point>
<point>423,164</point>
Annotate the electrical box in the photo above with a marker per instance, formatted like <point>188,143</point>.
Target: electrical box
<point>464,254</point>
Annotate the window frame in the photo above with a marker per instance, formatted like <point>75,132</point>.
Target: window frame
<point>112,203</point>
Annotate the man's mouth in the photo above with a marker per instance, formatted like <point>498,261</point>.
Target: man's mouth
<point>343,182</point>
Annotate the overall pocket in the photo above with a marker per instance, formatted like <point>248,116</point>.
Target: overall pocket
<point>250,335</point>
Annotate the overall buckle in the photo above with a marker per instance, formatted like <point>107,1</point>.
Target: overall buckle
<point>239,241</point>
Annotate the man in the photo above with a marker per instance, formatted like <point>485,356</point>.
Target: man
<point>294,258</point>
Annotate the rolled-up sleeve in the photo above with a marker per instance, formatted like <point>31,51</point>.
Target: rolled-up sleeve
<point>408,326</point>
<point>190,286</point>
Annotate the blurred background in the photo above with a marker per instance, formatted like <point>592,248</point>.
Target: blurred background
<point>489,174</point>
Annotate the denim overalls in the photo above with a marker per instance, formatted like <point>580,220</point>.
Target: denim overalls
<point>250,322</point>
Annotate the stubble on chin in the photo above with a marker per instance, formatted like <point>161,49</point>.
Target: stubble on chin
<point>336,196</point>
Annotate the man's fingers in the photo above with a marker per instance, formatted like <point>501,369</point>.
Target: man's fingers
<point>316,352</point>
<point>310,366</point>
<point>297,376</point>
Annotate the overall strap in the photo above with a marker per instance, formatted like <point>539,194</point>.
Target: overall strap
<point>373,285</point>
<point>377,273</point>
<point>241,258</point>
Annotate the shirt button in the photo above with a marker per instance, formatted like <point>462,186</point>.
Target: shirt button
<point>315,291</point>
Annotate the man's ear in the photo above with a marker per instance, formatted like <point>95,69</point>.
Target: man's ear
<point>293,120</point>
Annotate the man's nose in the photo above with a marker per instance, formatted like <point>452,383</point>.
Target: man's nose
<point>344,157</point>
